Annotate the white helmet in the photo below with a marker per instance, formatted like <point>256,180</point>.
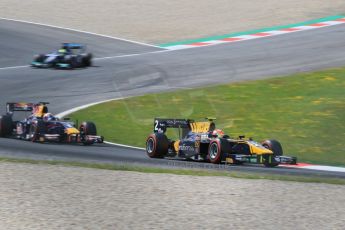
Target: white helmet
<point>48,117</point>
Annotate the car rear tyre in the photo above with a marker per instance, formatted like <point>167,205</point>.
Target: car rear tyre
<point>6,124</point>
<point>87,60</point>
<point>87,128</point>
<point>277,150</point>
<point>157,145</point>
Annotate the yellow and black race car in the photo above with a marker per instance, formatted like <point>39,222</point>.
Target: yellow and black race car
<point>204,142</point>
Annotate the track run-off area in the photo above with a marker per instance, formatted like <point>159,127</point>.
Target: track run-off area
<point>124,68</point>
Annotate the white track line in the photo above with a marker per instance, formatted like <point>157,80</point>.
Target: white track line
<point>132,55</point>
<point>14,67</point>
<point>67,112</point>
<point>125,146</point>
<point>80,31</point>
<point>86,32</point>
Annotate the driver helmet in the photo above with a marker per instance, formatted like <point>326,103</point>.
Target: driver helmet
<point>48,117</point>
<point>62,51</point>
<point>217,133</point>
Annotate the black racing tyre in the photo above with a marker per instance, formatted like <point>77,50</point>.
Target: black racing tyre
<point>87,128</point>
<point>33,136</point>
<point>157,145</point>
<point>217,149</point>
<point>277,150</point>
<point>6,125</point>
<point>39,57</point>
<point>87,60</point>
<point>73,62</point>
<point>36,131</point>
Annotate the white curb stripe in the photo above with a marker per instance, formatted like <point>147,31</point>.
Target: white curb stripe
<point>67,112</point>
<point>317,167</point>
<point>331,23</point>
<point>278,32</point>
<point>326,168</point>
<point>258,35</point>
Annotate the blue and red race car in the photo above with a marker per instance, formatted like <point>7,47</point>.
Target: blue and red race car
<point>32,122</point>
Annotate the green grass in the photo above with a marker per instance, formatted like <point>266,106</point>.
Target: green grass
<point>189,172</point>
<point>305,112</point>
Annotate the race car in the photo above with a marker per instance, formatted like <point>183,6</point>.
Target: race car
<point>201,141</point>
<point>38,125</point>
<point>69,56</point>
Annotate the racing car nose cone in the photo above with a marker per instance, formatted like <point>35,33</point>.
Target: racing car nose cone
<point>71,131</point>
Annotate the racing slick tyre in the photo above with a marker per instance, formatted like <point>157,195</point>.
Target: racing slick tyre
<point>157,145</point>
<point>277,150</point>
<point>39,57</point>
<point>217,150</point>
<point>87,60</point>
<point>5,125</point>
<point>87,128</point>
<point>36,131</point>
<point>73,63</point>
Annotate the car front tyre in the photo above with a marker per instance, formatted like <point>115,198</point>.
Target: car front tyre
<point>277,150</point>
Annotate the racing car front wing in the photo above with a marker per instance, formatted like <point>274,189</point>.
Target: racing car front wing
<point>74,138</point>
<point>259,159</point>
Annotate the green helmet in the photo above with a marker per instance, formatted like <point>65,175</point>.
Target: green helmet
<point>62,51</point>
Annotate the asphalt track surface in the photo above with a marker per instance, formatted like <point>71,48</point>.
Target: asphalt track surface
<point>124,69</point>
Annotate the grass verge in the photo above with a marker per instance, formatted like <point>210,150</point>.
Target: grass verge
<point>305,112</point>
<point>189,172</point>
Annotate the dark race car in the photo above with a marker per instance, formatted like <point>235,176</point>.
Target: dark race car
<point>37,125</point>
<point>203,142</point>
<point>69,56</point>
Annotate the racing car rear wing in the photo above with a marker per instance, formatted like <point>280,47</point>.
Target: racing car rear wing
<point>19,106</point>
<point>38,108</point>
<point>161,124</point>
